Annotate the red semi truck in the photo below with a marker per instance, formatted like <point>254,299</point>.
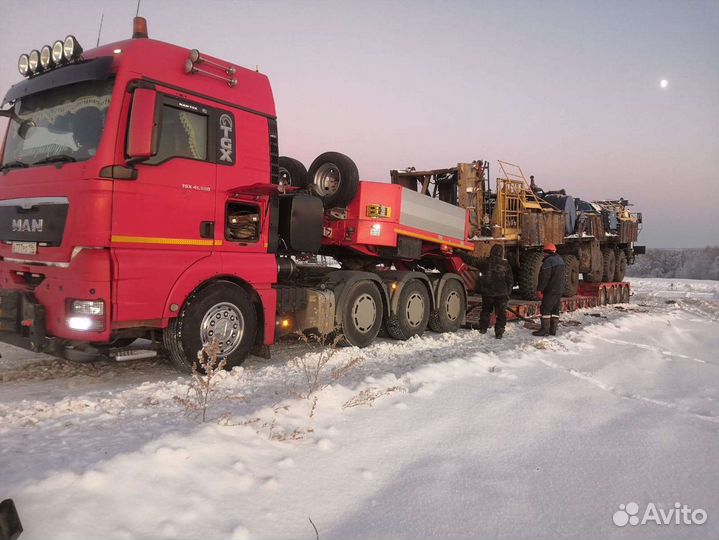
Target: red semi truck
<point>142,195</point>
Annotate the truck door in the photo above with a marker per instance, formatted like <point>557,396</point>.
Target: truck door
<point>163,220</point>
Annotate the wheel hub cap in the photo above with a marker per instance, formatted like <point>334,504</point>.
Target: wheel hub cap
<point>415,310</point>
<point>327,179</point>
<point>364,313</point>
<point>224,324</point>
<point>453,306</point>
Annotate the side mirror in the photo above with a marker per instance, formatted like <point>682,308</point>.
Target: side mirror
<point>142,132</point>
<point>25,125</point>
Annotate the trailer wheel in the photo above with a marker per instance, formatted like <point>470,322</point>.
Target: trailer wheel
<point>292,172</point>
<point>603,296</point>
<point>529,267</point>
<point>624,295</point>
<point>412,314</point>
<point>362,317</point>
<point>571,275</point>
<point>620,266</point>
<point>221,311</point>
<point>451,305</point>
<point>334,178</point>
<point>608,264</point>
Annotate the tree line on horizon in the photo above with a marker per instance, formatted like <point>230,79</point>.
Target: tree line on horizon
<point>687,263</point>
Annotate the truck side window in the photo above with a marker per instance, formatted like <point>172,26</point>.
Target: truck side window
<point>243,222</point>
<point>182,134</point>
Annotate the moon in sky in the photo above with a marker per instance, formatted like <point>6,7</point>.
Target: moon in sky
<point>664,83</point>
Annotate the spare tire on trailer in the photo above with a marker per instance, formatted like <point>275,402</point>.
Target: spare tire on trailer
<point>529,266</point>
<point>571,275</point>
<point>334,178</point>
<point>292,172</point>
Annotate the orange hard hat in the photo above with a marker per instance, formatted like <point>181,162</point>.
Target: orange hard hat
<point>550,247</point>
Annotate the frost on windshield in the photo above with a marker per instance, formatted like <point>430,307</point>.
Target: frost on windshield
<point>66,121</point>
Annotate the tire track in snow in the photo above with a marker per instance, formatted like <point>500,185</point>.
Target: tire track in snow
<point>588,377</point>
<point>650,348</point>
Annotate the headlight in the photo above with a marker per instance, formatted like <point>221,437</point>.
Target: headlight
<point>85,324</point>
<point>86,315</point>
<point>23,65</point>
<point>71,48</point>
<point>57,48</point>
<point>45,57</point>
<point>87,307</point>
<point>34,61</point>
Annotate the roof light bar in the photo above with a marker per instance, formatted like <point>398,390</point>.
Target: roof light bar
<point>61,52</point>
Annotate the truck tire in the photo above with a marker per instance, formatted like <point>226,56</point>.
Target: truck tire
<point>529,266</point>
<point>624,295</point>
<point>571,275</point>
<point>620,266</point>
<point>608,264</point>
<point>451,306</point>
<point>221,310</point>
<point>334,178</point>
<point>412,314</point>
<point>362,318</point>
<point>292,172</point>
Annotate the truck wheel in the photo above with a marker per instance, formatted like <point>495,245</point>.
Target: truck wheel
<point>608,264</point>
<point>362,317</point>
<point>529,267</point>
<point>221,311</point>
<point>334,178</point>
<point>412,312</point>
<point>571,275</point>
<point>620,266</point>
<point>451,305</point>
<point>603,297</point>
<point>292,172</point>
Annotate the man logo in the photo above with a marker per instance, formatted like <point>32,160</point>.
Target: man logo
<point>27,225</point>
<point>226,138</point>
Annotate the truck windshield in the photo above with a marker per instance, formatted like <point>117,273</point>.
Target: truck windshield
<point>62,124</point>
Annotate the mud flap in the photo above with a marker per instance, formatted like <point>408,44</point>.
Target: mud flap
<point>33,317</point>
<point>22,320</point>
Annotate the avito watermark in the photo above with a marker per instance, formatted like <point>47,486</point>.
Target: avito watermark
<point>679,514</point>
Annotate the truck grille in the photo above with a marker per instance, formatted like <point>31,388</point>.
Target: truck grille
<point>40,220</point>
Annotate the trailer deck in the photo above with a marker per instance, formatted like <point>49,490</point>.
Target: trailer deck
<point>589,295</point>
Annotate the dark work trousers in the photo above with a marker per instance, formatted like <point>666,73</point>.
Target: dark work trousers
<point>550,305</point>
<point>498,304</point>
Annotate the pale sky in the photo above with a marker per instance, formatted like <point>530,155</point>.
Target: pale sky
<point>569,90</point>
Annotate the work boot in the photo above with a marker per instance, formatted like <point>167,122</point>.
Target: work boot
<point>498,333</point>
<point>544,330</point>
<point>482,328</point>
<point>553,323</point>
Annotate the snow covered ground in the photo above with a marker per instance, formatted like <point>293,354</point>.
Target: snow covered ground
<point>447,436</point>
